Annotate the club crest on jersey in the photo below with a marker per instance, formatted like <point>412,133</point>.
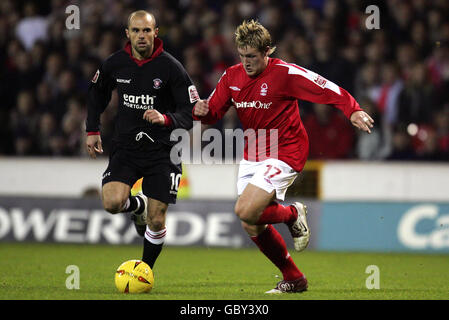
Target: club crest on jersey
<point>319,80</point>
<point>157,83</point>
<point>96,75</point>
<point>263,89</point>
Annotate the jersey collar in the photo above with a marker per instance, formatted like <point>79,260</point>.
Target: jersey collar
<point>157,50</point>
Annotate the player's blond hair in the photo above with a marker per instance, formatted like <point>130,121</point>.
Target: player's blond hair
<point>253,34</point>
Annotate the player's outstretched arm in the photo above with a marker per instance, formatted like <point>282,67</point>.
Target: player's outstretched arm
<point>93,145</point>
<point>207,113</point>
<point>307,85</point>
<point>213,109</point>
<point>362,120</point>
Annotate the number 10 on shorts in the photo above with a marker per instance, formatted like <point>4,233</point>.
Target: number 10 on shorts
<point>175,179</point>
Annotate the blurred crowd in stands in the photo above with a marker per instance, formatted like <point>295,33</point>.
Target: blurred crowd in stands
<point>399,73</point>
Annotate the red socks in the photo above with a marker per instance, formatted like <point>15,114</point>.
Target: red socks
<point>277,213</point>
<point>273,246</point>
<point>270,242</point>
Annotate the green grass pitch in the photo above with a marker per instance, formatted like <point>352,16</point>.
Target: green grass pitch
<point>30,271</point>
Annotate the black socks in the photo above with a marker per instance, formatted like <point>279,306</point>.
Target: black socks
<point>150,252</point>
<point>134,205</point>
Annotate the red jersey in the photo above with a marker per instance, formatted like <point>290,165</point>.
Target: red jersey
<point>269,101</point>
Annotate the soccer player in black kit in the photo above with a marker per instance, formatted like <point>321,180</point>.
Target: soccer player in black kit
<point>156,95</point>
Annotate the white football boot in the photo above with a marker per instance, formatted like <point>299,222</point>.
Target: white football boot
<point>299,229</point>
<point>140,220</point>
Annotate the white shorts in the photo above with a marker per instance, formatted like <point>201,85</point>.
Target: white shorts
<point>269,175</point>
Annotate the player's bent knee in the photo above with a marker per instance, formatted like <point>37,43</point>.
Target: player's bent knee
<point>245,213</point>
<point>247,227</point>
<point>113,205</point>
<point>253,230</point>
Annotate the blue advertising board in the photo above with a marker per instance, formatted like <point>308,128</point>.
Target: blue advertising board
<point>377,226</point>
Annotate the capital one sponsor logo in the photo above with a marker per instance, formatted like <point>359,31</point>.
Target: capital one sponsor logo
<point>253,104</point>
<point>435,238</point>
<point>95,226</point>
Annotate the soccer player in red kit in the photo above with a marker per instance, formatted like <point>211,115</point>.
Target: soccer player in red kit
<point>264,92</point>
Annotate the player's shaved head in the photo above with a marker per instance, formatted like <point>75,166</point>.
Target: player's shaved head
<point>142,14</point>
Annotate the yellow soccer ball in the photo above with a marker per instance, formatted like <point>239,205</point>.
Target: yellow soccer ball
<point>134,276</point>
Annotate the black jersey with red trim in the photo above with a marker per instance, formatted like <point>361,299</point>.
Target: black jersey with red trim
<point>159,82</point>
